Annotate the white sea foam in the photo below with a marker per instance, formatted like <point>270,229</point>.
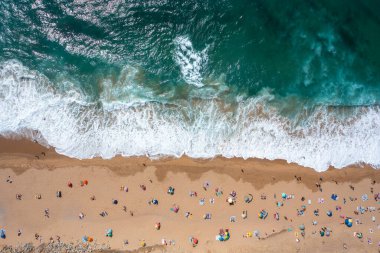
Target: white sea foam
<point>190,61</point>
<point>203,129</point>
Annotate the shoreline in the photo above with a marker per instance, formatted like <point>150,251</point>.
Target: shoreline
<point>13,149</point>
<point>50,172</point>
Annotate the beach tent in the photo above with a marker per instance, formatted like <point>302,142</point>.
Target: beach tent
<point>334,196</point>
<point>85,182</point>
<point>109,233</point>
<point>69,184</point>
<point>348,222</point>
<point>283,195</point>
<point>115,201</point>
<point>302,227</point>
<point>329,213</point>
<point>2,234</point>
<point>155,202</point>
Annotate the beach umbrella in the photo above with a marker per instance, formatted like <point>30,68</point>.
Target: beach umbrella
<point>263,214</point>
<point>219,238</point>
<point>115,202</point>
<point>226,236</point>
<point>348,222</point>
<point>109,233</point>
<point>90,239</point>
<point>84,239</point>
<point>194,241</point>
<point>302,227</point>
<point>248,198</point>
<point>2,234</point>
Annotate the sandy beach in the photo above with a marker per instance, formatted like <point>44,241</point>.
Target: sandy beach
<point>30,211</point>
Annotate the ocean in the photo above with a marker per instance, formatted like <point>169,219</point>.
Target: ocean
<point>298,81</point>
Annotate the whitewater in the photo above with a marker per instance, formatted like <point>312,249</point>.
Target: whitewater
<point>31,106</point>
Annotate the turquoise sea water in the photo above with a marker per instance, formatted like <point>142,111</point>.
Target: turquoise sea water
<point>298,81</point>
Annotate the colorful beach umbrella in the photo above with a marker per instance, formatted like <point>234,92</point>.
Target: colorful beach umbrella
<point>348,222</point>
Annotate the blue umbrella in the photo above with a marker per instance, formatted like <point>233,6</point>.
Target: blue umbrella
<point>84,239</point>
<point>2,234</point>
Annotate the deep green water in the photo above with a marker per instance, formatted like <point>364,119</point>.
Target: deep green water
<point>320,51</point>
<point>302,56</point>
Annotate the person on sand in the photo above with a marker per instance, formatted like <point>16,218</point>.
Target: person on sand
<point>81,216</point>
<point>9,180</point>
<point>206,185</point>
<point>47,214</point>
<point>19,232</point>
<point>187,214</point>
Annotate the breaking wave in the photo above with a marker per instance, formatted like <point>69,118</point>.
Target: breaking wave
<point>199,128</point>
